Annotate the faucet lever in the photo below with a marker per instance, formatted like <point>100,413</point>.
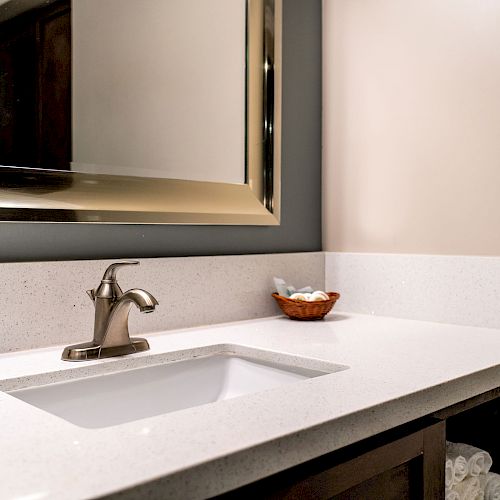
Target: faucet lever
<point>110,274</point>
<point>91,294</point>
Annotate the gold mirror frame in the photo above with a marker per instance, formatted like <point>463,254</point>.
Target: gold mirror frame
<point>36,195</point>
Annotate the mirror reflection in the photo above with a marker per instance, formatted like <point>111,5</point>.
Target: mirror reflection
<point>151,89</point>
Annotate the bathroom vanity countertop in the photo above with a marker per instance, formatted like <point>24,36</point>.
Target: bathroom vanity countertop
<point>400,370</point>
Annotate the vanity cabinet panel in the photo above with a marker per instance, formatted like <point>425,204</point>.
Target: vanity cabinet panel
<point>393,484</point>
<point>407,462</point>
<point>407,467</point>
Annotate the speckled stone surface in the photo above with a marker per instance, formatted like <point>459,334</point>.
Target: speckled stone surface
<point>449,289</point>
<point>44,303</point>
<point>399,370</point>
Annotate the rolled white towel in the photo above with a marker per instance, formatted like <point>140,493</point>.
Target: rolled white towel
<point>468,489</point>
<point>451,494</point>
<point>449,474</point>
<point>490,484</point>
<point>478,461</point>
<point>460,468</point>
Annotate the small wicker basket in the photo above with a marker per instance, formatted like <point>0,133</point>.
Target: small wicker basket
<point>306,311</point>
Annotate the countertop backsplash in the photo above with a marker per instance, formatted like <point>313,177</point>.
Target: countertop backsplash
<point>44,303</point>
<point>462,290</point>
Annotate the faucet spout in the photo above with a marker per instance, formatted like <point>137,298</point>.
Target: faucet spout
<point>116,333</point>
<point>141,298</point>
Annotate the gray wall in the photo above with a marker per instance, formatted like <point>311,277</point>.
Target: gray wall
<point>300,228</point>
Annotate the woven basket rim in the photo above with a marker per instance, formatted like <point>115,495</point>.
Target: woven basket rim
<point>332,295</point>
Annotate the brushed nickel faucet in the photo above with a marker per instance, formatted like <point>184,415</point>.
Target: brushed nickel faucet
<point>112,307</point>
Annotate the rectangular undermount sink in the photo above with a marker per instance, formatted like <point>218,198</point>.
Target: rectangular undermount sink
<point>112,399</point>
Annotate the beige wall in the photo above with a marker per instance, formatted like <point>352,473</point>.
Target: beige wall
<point>412,126</point>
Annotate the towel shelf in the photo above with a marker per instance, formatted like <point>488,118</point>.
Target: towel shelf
<point>478,426</point>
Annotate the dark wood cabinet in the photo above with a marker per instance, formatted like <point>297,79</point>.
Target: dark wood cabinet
<point>403,463</point>
<point>406,463</point>
<point>407,468</point>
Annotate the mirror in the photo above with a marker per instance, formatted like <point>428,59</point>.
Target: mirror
<point>167,111</point>
<point>155,85</point>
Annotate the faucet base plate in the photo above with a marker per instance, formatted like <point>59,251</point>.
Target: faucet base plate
<point>89,350</point>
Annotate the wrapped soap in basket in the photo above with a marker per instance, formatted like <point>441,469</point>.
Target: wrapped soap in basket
<point>304,304</point>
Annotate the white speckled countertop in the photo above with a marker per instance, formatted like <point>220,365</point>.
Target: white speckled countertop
<point>399,370</point>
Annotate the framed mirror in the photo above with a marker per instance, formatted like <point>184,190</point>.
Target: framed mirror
<point>162,112</point>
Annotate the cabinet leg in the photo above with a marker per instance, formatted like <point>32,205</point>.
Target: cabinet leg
<point>434,459</point>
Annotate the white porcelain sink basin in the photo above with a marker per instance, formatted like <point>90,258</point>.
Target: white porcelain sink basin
<point>111,399</point>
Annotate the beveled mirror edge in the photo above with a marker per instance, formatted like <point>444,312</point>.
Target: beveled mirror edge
<point>277,122</point>
<point>69,199</point>
<point>52,196</point>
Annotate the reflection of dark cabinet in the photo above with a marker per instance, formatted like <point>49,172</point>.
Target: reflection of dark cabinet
<point>18,64</point>
<point>35,88</point>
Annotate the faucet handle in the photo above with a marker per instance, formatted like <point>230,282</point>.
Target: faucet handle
<point>91,294</point>
<point>110,274</point>
<point>109,288</point>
